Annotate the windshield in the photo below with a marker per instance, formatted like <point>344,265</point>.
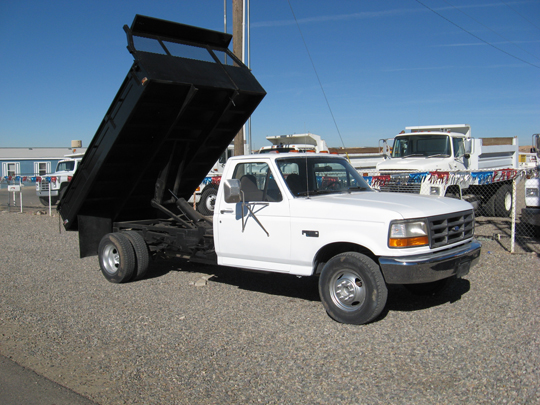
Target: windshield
<point>421,145</point>
<point>309,176</point>
<point>65,166</point>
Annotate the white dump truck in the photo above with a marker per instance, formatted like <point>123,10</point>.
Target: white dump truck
<point>51,187</point>
<point>531,213</point>
<point>303,214</point>
<point>444,160</point>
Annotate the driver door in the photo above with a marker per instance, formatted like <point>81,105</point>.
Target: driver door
<point>256,234</point>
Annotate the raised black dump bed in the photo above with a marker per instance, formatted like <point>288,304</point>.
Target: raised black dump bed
<point>181,104</point>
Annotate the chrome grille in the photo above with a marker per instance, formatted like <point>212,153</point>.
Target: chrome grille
<point>451,228</point>
<point>44,186</point>
<point>401,187</point>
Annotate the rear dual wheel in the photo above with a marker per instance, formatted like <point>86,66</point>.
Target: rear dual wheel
<point>123,256</point>
<point>500,203</point>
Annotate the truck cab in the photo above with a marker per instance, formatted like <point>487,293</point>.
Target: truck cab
<point>55,184</point>
<point>430,149</point>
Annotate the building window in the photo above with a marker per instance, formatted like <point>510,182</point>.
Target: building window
<point>11,169</point>
<point>42,168</point>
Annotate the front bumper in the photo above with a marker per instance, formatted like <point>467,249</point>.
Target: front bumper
<point>45,193</point>
<point>431,267</point>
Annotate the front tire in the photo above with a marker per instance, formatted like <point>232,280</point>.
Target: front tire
<point>352,288</point>
<point>116,257</point>
<point>208,201</point>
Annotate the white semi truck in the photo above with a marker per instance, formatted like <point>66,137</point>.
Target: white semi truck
<point>444,160</point>
<point>531,213</point>
<point>51,187</point>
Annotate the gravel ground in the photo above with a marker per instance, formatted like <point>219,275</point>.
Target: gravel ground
<point>194,334</point>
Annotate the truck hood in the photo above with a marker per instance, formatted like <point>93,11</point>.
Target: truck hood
<point>376,206</point>
<point>414,164</point>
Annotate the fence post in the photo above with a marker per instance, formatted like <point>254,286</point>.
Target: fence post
<point>514,209</point>
<point>50,199</point>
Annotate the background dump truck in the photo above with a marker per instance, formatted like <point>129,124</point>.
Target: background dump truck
<point>295,143</point>
<point>55,184</point>
<point>445,160</point>
<point>305,214</point>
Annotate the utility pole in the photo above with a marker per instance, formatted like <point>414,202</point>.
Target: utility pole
<point>238,36</point>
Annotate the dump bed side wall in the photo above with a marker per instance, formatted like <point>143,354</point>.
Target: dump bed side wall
<point>169,122</point>
<point>494,153</point>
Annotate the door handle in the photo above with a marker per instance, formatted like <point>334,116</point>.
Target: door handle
<point>227,211</point>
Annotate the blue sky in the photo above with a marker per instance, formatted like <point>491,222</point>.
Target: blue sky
<point>383,65</point>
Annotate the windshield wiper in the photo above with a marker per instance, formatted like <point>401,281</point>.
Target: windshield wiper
<point>414,155</point>
<point>439,155</point>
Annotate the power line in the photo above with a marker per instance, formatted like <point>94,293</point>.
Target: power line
<point>485,26</point>
<point>521,15</point>
<point>316,74</point>
<point>477,37</point>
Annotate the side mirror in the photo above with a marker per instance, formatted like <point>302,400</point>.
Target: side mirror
<point>231,189</point>
<point>467,143</point>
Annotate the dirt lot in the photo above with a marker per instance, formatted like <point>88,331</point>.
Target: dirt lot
<point>205,334</point>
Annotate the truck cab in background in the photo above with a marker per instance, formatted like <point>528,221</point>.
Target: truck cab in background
<point>295,143</point>
<point>531,214</point>
<point>445,160</point>
<point>55,184</point>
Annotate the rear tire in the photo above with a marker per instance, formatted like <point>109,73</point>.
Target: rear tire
<point>503,201</point>
<point>116,257</point>
<point>352,288</point>
<point>142,257</point>
<point>500,203</point>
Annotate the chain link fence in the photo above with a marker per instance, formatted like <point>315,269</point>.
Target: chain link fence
<point>503,210</point>
<point>500,200</point>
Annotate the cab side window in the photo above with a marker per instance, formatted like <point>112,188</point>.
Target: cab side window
<point>257,182</point>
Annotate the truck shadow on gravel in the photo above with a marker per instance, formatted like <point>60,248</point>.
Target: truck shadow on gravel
<point>400,299</point>
<point>266,283</point>
<point>306,288</point>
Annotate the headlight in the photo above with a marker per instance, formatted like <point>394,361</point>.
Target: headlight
<point>434,191</point>
<point>408,234</point>
<point>531,192</point>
